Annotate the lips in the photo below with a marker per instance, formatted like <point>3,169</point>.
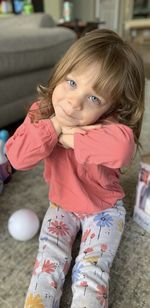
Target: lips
<point>69,115</point>
<point>72,119</point>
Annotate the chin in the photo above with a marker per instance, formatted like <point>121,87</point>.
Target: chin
<point>69,123</point>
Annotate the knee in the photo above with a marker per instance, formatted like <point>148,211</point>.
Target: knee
<point>91,269</point>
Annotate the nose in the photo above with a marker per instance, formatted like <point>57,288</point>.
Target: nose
<point>75,102</point>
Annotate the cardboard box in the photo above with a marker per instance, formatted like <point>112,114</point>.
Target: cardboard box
<point>142,206</point>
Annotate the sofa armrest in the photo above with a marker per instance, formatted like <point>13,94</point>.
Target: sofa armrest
<point>36,20</point>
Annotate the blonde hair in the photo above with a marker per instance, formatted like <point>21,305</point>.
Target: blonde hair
<point>120,76</point>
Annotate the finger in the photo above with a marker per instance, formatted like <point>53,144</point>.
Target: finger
<point>72,131</point>
<point>88,127</point>
<point>62,145</point>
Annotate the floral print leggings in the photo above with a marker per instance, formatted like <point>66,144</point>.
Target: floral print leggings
<point>101,234</point>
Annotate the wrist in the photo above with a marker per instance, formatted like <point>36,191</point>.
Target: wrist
<point>67,141</point>
<point>56,125</point>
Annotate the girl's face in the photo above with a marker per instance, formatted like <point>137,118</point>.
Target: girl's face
<point>75,102</point>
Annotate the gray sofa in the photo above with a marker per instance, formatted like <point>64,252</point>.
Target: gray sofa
<point>30,46</point>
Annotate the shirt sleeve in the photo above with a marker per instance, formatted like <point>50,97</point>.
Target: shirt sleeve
<point>111,145</point>
<point>31,143</point>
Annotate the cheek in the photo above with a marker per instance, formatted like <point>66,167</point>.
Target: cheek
<point>100,112</point>
<point>58,94</point>
<point>90,117</point>
<point>95,115</point>
<point>53,99</point>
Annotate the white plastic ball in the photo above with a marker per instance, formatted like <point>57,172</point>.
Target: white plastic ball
<point>23,224</point>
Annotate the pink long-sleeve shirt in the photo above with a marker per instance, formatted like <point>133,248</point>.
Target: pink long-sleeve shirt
<point>84,179</point>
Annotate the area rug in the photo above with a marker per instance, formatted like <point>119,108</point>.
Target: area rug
<point>130,273</point>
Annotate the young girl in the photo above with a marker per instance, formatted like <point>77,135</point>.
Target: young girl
<point>85,126</point>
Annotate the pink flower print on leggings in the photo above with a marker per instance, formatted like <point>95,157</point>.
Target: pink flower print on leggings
<point>102,295</point>
<point>58,228</point>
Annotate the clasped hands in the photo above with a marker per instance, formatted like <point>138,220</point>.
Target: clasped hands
<point>66,133</point>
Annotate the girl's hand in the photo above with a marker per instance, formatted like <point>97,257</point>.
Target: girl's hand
<point>66,138</point>
<point>56,125</point>
<point>66,130</point>
<point>79,129</point>
<point>66,141</point>
<point>92,126</point>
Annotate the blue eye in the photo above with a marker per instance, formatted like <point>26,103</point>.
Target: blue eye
<point>71,83</point>
<point>94,99</point>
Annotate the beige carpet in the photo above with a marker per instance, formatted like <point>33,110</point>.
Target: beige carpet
<point>130,274</point>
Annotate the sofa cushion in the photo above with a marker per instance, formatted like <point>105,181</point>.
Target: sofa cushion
<point>30,46</point>
<point>16,87</point>
<point>18,93</point>
<point>27,50</point>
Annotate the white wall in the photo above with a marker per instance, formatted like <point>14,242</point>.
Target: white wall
<point>112,12</point>
<point>54,8</point>
<point>84,9</point>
